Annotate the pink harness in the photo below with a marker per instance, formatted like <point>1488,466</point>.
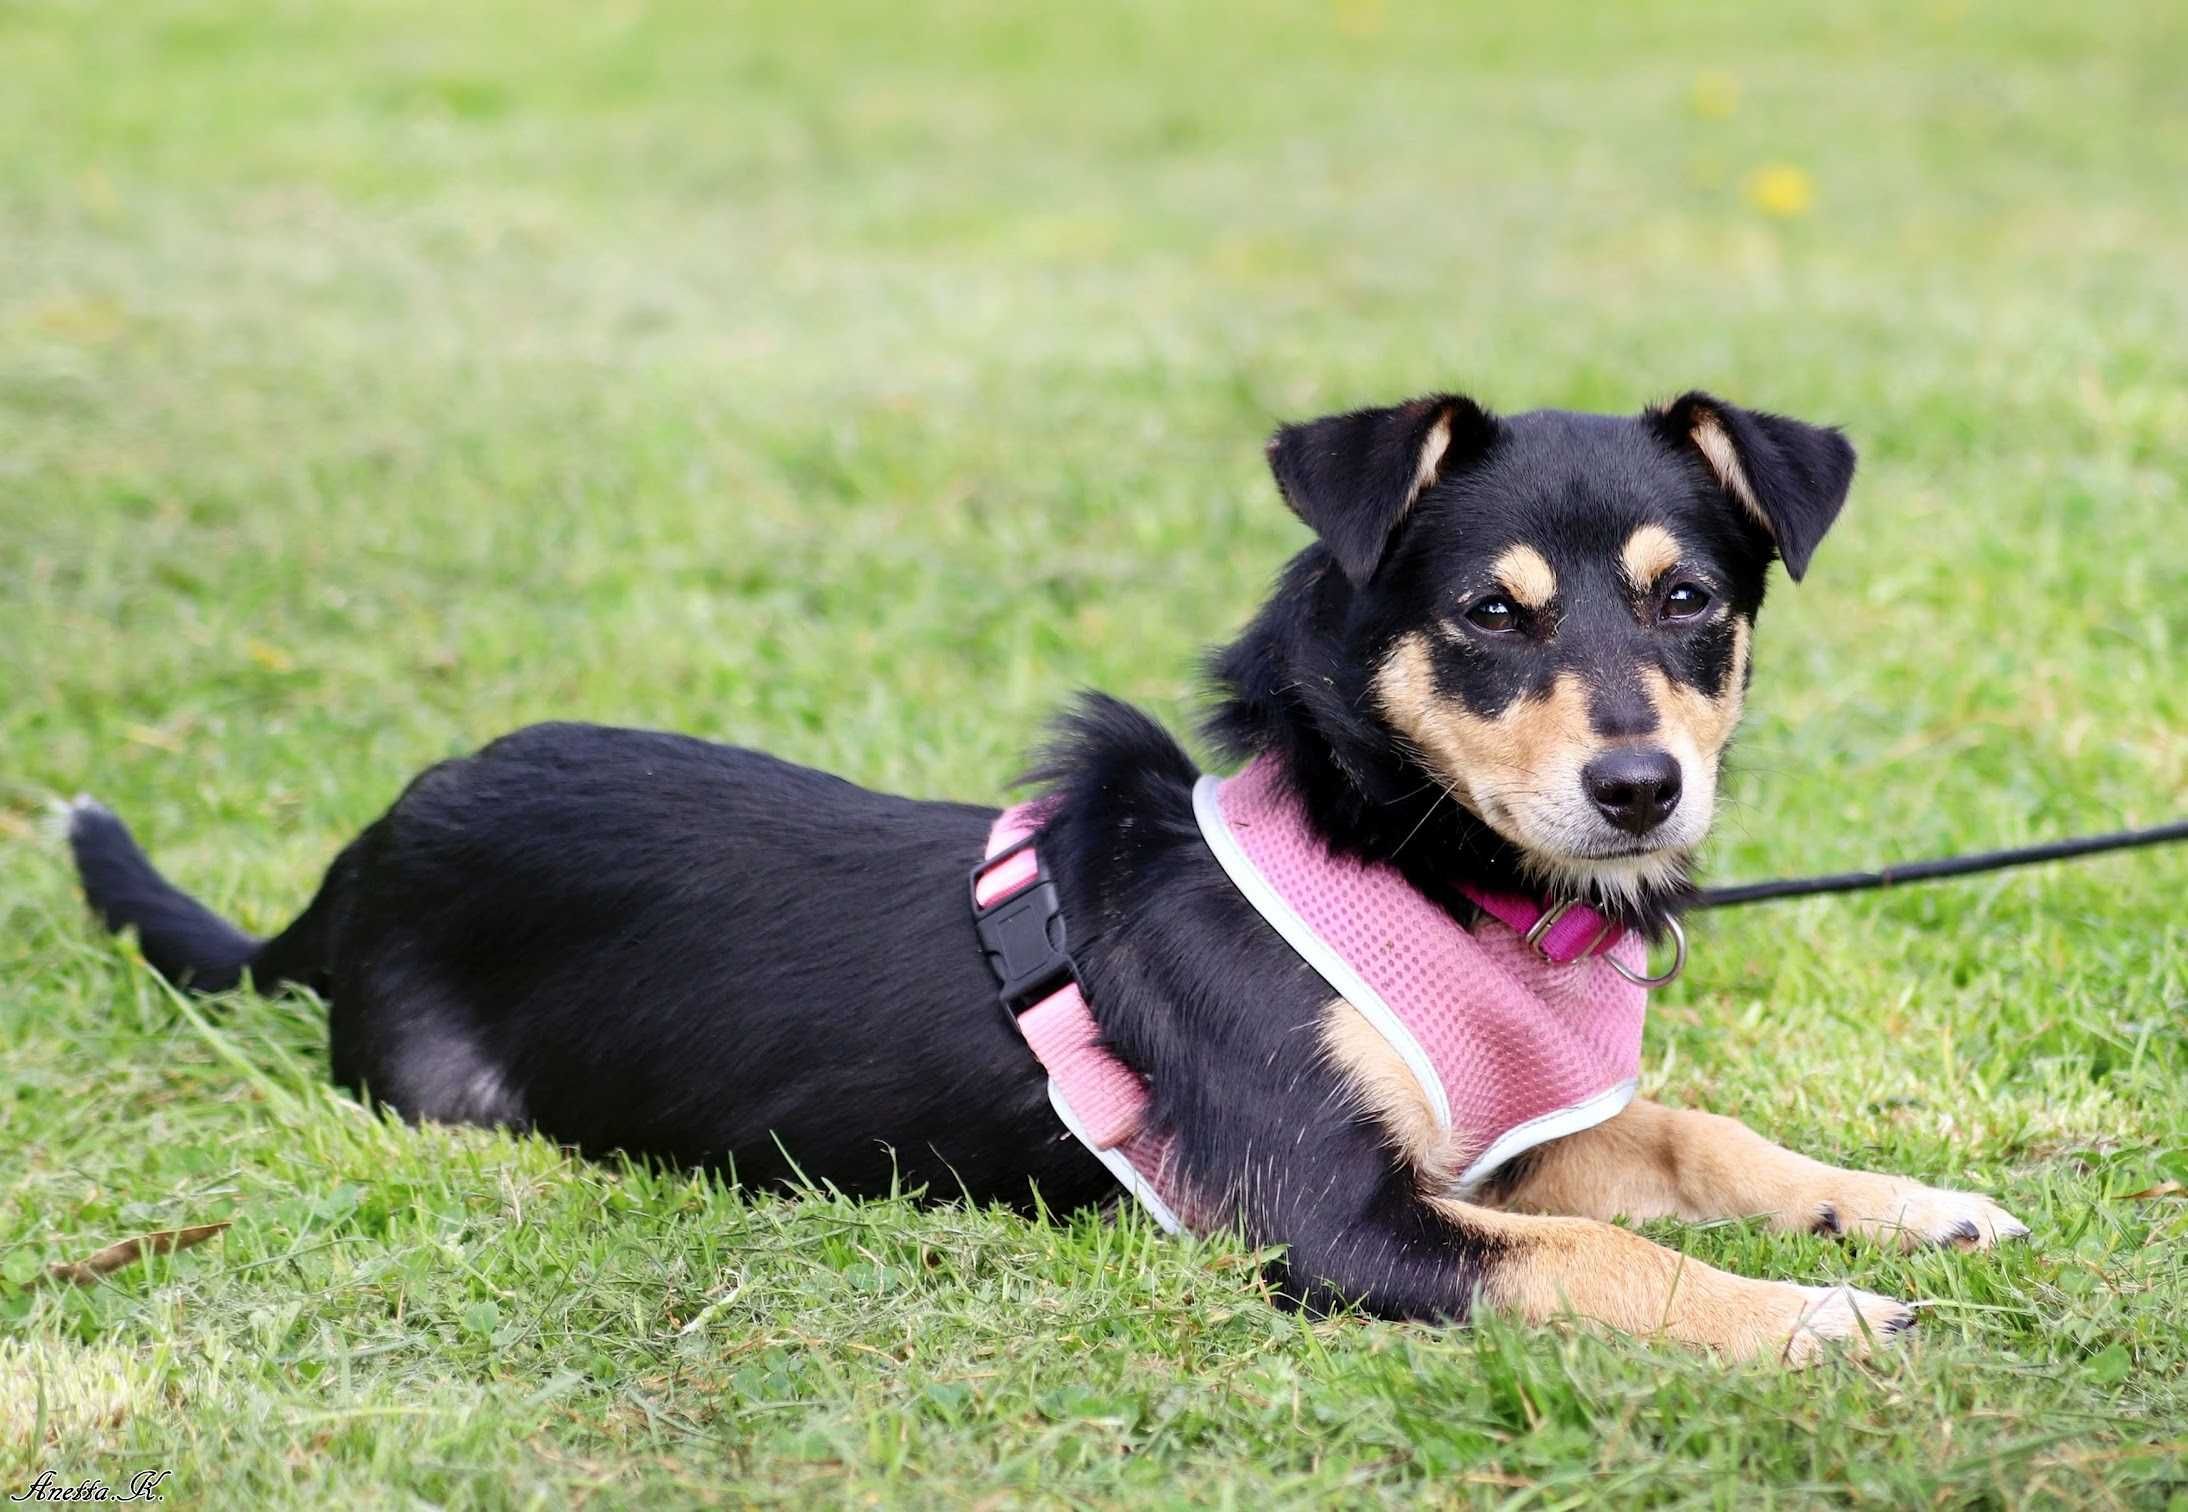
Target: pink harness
<point>1520,1031</point>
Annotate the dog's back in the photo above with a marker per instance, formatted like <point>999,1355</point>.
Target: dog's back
<point>640,942</point>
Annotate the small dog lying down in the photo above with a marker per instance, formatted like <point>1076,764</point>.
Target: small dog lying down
<point>1500,680</point>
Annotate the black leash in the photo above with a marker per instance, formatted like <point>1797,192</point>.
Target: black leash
<point>1930,871</point>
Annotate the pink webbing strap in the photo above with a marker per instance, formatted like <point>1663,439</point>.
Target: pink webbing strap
<point>1104,1095</point>
<point>1578,931</point>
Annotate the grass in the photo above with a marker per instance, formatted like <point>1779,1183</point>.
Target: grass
<point>375,378</point>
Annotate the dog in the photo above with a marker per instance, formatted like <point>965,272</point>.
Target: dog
<point>1511,658</point>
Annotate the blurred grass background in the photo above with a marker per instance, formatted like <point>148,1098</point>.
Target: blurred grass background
<point>856,381</point>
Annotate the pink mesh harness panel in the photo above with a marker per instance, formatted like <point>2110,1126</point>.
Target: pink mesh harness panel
<point>1512,1043</point>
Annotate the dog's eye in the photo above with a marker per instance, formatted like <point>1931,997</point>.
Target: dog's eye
<point>1494,613</point>
<point>1685,601</point>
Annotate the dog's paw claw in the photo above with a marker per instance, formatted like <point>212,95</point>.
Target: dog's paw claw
<point>1841,1317</point>
<point>1915,1216</point>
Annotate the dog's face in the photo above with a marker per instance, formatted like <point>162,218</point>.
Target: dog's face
<point>1552,613</point>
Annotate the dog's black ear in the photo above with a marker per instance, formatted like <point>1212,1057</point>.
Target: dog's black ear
<point>1790,477</point>
<point>1353,477</point>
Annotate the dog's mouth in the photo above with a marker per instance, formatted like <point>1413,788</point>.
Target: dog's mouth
<point>1566,848</point>
<point>1619,853</point>
<point>1624,878</point>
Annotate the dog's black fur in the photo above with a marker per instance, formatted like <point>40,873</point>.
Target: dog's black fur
<point>646,943</point>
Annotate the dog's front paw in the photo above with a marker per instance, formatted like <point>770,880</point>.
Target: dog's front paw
<point>1910,1215</point>
<point>1857,1323</point>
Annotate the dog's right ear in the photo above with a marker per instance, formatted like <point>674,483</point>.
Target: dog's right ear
<point>1789,476</point>
<point>1353,477</point>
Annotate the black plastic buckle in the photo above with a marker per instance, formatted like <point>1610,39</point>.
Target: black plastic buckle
<point>1022,935</point>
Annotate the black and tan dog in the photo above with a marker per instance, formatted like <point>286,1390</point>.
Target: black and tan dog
<point>1513,657</point>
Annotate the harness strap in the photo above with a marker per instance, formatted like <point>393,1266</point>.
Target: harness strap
<point>1100,1099</point>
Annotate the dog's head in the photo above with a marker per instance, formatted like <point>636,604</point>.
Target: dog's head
<point>1543,621</point>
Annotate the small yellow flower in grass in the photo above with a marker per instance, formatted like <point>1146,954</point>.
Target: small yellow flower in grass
<point>1715,95</point>
<point>1360,18</point>
<point>86,322</point>
<point>271,657</point>
<point>1781,190</point>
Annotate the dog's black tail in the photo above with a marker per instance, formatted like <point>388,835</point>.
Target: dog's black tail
<point>184,941</point>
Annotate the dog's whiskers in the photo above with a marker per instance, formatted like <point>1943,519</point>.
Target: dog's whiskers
<point>1425,817</point>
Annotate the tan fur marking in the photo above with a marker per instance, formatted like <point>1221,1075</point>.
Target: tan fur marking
<point>1484,757</point>
<point>1708,722</point>
<point>1522,572</point>
<point>1649,553</point>
<point>1551,1268</point>
<point>1657,1162</point>
<point>1432,449</point>
<point>1387,1089</point>
<point>1724,460</point>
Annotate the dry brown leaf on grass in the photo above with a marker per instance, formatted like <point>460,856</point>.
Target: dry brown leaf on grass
<point>129,1251</point>
<point>2162,1189</point>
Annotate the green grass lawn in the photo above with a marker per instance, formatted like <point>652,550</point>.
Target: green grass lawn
<point>376,378</point>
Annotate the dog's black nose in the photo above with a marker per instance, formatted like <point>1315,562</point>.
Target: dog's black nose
<point>1635,789</point>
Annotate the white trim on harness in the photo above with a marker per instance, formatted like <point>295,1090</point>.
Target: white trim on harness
<point>1545,1127</point>
<point>1297,933</point>
<point>1127,1175</point>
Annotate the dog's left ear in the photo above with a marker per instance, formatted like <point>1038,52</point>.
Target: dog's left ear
<point>1790,477</point>
<point>1353,477</point>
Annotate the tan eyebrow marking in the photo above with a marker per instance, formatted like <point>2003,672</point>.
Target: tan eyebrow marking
<point>1522,572</point>
<point>1649,553</point>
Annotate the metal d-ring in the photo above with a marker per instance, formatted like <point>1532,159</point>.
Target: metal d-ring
<point>1678,960</point>
<point>1550,915</point>
<point>1557,911</point>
